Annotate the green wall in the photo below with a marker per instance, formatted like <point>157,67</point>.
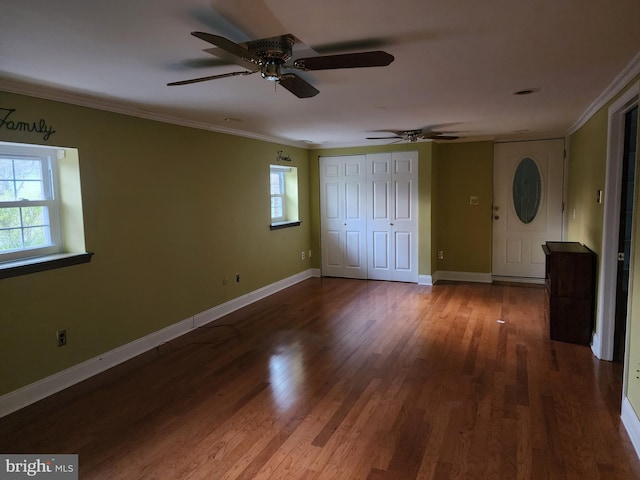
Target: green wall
<point>586,175</point>
<point>587,167</point>
<point>463,230</point>
<point>169,213</point>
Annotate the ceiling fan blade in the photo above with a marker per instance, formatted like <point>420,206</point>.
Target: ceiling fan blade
<point>383,138</point>
<point>231,47</point>
<point>223,54</point>
<point>298,86</point>
<point>376,58</point>
<point>212,77</point>
<point>438,136</point>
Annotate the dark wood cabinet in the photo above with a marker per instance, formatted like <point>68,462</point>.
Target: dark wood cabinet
<point>570,291</point>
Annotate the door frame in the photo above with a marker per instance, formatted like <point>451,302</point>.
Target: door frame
<point>602,344</point>
<point>546,180</point>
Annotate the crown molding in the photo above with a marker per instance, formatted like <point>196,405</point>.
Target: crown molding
<point>622,80</point>
<point>50,93</point>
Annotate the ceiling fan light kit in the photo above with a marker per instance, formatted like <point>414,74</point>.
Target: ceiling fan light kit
<point>269,56</point>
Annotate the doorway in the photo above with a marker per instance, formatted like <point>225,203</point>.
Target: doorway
<point>624,236</point>
<point>611,291</point>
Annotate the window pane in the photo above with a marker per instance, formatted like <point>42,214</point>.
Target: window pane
<point>276,184</point>
<point>28,169</point>
<point>7,191</point>
<point>34,216</point>
<point>276,207</point>
<point>527,188</point>
<point>29,190</point>
<point>36,237</point>
<point>9,218</point>
<point>6,168</point>
<point>10,240</point>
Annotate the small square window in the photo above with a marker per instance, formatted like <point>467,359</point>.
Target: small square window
<point>284,194</point>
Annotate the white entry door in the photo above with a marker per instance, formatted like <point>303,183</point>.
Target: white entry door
<point>392,220</point>
<point>527,205</point>
<point>343,216</point>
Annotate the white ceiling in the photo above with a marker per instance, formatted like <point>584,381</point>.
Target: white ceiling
<point>457,63</point>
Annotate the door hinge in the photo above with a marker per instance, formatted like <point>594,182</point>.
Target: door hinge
<point>621,257</point>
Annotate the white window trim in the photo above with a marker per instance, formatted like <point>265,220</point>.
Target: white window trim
<point>48,156</point>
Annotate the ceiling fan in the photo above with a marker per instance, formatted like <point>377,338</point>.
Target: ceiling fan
<point>269,56</point>
<point>425,133</point>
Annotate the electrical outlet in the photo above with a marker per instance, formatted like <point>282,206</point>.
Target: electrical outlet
<point>440,254</point>
<point>237,278</point>
<point>61,337</point>
<point>302,255</point>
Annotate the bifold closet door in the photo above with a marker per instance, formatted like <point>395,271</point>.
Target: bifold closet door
<point>392,221</point>
<point>343,216</point>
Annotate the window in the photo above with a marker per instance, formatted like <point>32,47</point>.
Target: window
<point>284,196</point>
<point>41,224</point>
<point>278,198</point>
<point>29,208</point>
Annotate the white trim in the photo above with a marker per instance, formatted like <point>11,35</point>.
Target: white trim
<point>531,280</point>
<point>596,344</point>
<point>462,277</point>
<point>425,280</point>
<point>627,75</point>
<point>232,305</point>
<point>631,423</point>
<point>607,281</point>
<point>74,98</point>
<point>57,382</point>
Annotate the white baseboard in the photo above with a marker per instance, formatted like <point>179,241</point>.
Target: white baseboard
<point>462,277</point>
<point>536,281</point>
<point>631,424</point>
<point>596,346</point>
<point>425,280</point>
<point>57,382</point>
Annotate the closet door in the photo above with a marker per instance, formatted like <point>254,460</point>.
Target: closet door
<point>343,216</point>
<point>392,221</point>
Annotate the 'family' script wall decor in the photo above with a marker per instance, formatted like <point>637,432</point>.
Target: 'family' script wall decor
<point>7,121</point>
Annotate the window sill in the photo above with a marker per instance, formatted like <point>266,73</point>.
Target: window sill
<point>40,264</point>
<point>279,225</point>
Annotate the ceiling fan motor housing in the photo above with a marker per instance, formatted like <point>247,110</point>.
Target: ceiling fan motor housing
<point>273,52</point>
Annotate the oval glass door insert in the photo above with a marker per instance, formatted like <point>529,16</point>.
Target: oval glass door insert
<point>527,188</point>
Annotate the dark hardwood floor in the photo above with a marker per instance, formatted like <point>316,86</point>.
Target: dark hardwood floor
<point>349,379</point>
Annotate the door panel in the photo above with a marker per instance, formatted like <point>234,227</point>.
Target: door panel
<point>527,203</point>
<point>392,223</point>
<point>380,251</point>
<point>343,217</point>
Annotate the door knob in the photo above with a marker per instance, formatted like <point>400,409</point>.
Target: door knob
<point>496,217</point>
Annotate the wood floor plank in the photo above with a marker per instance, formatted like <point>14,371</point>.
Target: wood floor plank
<point>349,379</point>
